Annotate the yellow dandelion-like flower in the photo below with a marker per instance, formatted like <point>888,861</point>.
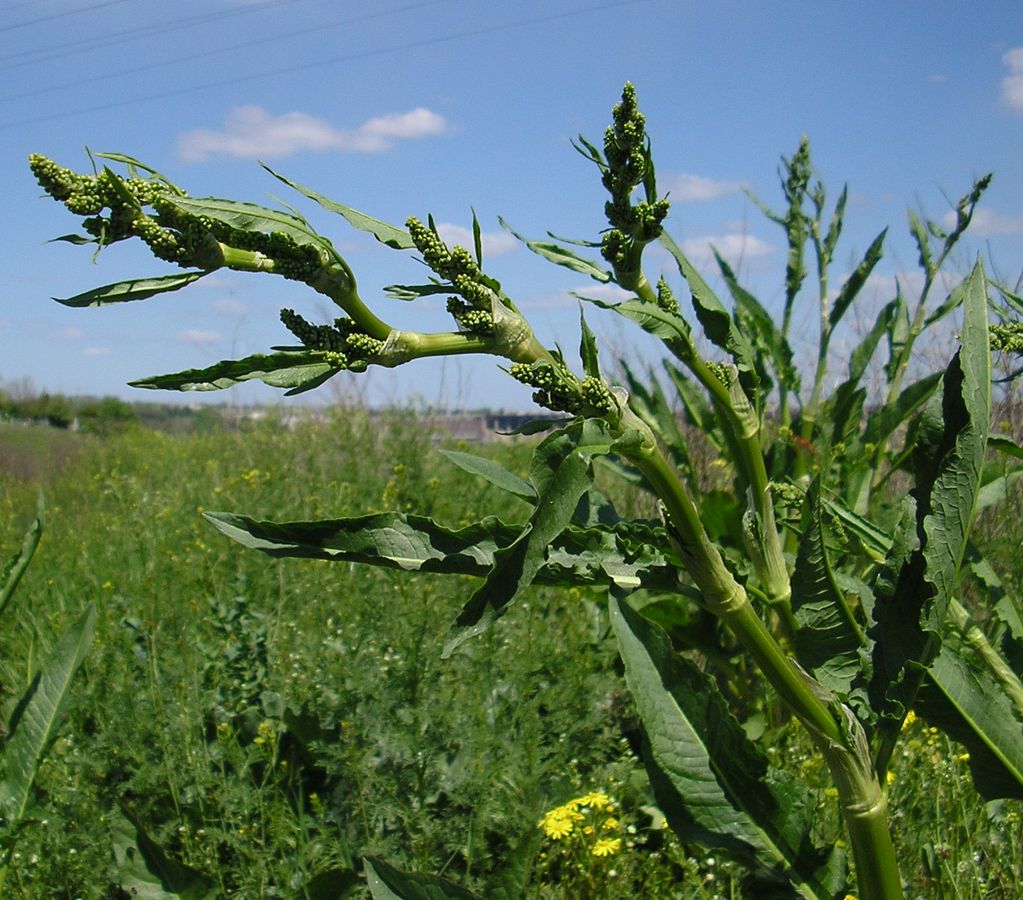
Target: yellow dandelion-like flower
<point>909,720</point>
<point>889,777</point>
<point>610,823</point>
<point>595,799</point>
<point>558,823</point>
<point>607,847</point>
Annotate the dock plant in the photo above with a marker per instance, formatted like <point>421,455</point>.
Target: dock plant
<point>829,574</point>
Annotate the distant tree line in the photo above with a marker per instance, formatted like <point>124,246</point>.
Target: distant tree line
<point>102,416</point>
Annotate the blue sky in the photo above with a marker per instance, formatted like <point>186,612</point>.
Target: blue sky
<point>399,107</point>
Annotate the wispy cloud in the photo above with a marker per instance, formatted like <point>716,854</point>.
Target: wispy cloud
<point>252,132</point>
<point>95,351</point>
<point>1012,84</point>
<point>687,187</point>
<point>495,243</point>
<point>733,247</point>
<point>229,307</point>
<point>195,336</point>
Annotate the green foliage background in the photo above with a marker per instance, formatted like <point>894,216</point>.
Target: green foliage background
<point>268,722</point>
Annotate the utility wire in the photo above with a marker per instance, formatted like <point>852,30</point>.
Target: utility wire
<point>60,15</point>
<point>302,67</point>
<point>83,45</point>
<point>203,54</point>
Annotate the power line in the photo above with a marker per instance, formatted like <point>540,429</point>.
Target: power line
<point>276,36</point>
<point>82,45</point>
<point>288,70</point>
<point>61,15</point>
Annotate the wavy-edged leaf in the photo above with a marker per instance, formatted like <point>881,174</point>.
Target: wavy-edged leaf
<point>829,639</point>
<point>295,370</point>
<point>144,869</point>
<point>712,783</point>
<point>389,235</point>
<point>561,473</point>
<point>854,283</point>
<point>17,564</point>
<point>979,714</point>
<point>628,556</point>
<point>967,411</point>
<point>388,883</point>
<point>493,472</point>
<point>133,163</point>
<point>1005,445</point>
<point>34,725</point>
<point>717,323</point>
<point>132,289</point>
<point>562,256</point>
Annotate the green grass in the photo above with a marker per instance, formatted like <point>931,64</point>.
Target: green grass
<point>268,721</point>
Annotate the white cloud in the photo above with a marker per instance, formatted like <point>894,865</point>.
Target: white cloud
<point>686,188</point>
<point>229,307</point>
<point>495,243</point>
<point>95,351</point>
<point>71,334</point>
<point>195,336</point>
<point>986,223</point>
<point>733,247</point>
<point>252,132</point>
<point>1012,84</point>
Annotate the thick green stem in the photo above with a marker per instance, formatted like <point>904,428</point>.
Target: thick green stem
<point>976,638</point>
<point>842,742</point>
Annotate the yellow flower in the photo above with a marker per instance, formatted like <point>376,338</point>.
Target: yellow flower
<point>559,822</point>
<point>909,720</point>
<point>595,799</point>
<point>610,823</point>
<point>607,847</point>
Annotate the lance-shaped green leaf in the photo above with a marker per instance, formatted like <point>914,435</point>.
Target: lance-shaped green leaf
<point>716,321</point>
<point>712,783</point>
<point>132,289</point>
<point>883,422</point>
<point>767,335</point>
<point>898,335</point>
<point>854,283</point>
<point>627,555</point>
<point>388,883</point>
<point>390,235</point>
<point>860,358</point>
<point>415,291</point>
<point>493,472</point>
<point>34,723</point>
<point>562,256</point>
<point>974,710</point>
<point>295,370</point>
<point>952,303</point>
<point>829,638</point>
<point>561,473</point>
<point>588,348</point>
<point>18,563</point>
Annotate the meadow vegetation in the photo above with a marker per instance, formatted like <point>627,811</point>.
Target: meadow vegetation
<point>267,722</point>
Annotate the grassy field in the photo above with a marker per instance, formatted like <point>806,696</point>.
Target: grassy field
<point>265,723</point>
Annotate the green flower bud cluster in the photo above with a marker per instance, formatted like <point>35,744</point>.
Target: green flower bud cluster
<point>666,297</point>
<point>295,261</point>
<point>90,195</point>
<point>472,307</point>
<point>558,389</point>
<point>1007,338</point>
<point>627,152</point>
<point>347,347</point>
